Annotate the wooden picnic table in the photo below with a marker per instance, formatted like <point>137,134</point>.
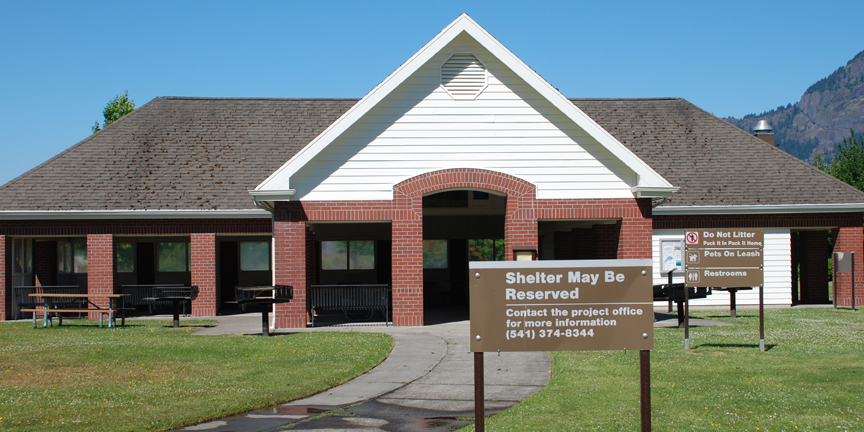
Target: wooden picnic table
<point>52,306</point>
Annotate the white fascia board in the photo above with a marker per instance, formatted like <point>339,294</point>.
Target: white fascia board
<point>133,214</point>
<point>647,177</point>
<point>650,192</point>
<point>273,195</point>
<point>759,209</point>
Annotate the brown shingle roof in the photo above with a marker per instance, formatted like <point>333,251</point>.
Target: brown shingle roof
<point>713,162</point>
<point>205,153</point>
<point>176,153</point>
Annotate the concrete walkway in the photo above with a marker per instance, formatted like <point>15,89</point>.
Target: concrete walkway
<point>426,383</point>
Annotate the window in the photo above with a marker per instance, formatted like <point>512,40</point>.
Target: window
<point>255,256</point>
<point>435,254</point>
<point>348,255</point>
<point>72,256</point>
<point>172,257</point>
<point>486,250</point>
<point>125,252</point>
<point>23,256</point>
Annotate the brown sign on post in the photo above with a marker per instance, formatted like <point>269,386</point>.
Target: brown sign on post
<point>561,305</point>
<point>723,257</point>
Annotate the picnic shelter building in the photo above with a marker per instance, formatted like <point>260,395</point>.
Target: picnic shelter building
<point>462,153</point>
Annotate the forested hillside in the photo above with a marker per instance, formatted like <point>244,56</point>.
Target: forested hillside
<point>823,116</point>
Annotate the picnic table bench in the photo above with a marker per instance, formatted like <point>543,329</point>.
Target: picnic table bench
<point>23,302</point>
<point>348,298</point>
<point>263,297</point>
<point>145,295</point>
<point>59,304</point>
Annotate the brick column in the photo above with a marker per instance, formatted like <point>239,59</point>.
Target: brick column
<point>636,229</point>
<point>5,282</point>
<point>407,253</point>
<point>289,239</point>
<point>850,239</point>
<point>520,223</point>
<point>100,268</point>
<point>203,251</point>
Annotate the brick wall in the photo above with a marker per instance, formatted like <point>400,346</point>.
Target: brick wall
<point>100,230</point>
<point>203,254</point>
<point>809,220</point>
<point>850,239</point>
<point>290,257</point>
<point>294,251</point>
<point>100,268</point>
<point>26,228</point>
<point>5,280</point>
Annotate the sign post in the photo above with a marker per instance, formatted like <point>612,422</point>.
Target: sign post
<point>726,258</point>
<point>562,306</point>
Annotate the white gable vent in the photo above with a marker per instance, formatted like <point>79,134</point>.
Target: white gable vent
<point>463,76</point>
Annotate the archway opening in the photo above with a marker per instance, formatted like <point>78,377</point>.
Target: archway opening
<point>459,226</point>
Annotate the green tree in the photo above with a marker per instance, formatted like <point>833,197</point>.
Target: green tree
<point>848,164</point>
<point>116,108</point>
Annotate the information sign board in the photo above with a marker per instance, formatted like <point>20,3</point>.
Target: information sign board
<point>561,305</point>
<point>723,258</point>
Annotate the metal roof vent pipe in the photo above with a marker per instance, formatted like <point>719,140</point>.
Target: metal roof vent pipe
<point>764,132</point>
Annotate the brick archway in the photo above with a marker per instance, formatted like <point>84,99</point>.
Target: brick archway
<point>520,227</point>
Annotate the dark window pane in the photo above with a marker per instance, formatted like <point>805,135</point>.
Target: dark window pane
<point>125,257</point>
<point>334,255</point>
<point>172,257</point>
<point>80,260</point>
<point>434,254</point>
<point>255,256</point>
<point>362,255</point>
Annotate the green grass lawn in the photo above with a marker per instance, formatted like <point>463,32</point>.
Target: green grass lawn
<point>149,376</point>
<point>810,378</point>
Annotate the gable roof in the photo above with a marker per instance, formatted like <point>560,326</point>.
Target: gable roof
<point>175,153</point>
<point>716,164</point>
<point>277,185</point>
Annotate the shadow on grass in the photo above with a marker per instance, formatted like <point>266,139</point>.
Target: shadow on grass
<point>726,316</point>
<point>182,325</point>
<point>768,347</point>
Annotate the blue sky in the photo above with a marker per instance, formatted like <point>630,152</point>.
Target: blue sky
<point>60,62</point>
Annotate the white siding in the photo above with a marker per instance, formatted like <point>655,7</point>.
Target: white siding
<point>419,128</point>
<point>777,267</point>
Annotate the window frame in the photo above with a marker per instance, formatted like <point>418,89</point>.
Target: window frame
<point>188,261</point>
<point>240,255</point>
<point>348,259</point>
